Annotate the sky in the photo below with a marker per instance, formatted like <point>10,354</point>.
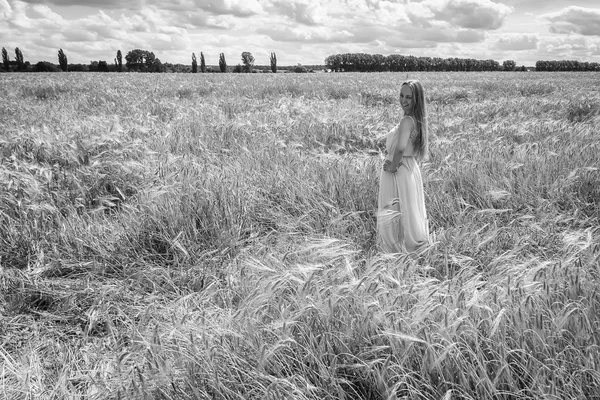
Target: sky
<point>302,31</point>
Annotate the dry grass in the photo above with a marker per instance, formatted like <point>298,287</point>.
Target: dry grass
<point>212,237</point>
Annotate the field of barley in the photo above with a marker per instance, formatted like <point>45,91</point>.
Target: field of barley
<point>212,236</point>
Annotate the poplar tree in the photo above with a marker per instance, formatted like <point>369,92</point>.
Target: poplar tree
<point>19,57</point>
<point>222,63</point>
<point>119,61</point>
<point>202,63</point>
<point>194,63</point>
<point>62,60</point>
<point>5,60</point>
<point>273,62</point>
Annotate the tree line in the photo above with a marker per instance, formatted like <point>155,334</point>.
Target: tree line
<point>139,60</point>
<point>363,62</point>
<point>566,65</point>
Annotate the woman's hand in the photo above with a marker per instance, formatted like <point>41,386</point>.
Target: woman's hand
<point>387,167</point>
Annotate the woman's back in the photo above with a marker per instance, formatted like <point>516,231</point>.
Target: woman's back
<point>394,136</point>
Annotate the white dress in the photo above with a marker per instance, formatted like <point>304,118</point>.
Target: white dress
<point>402,224</point>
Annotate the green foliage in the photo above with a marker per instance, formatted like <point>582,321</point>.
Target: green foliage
<point>273,62</point>
<point>247,61</point>
<point>202,63</point>
<point>238,68</point>
<point>5,60</point>
<point>62,60</point>
<point>194,64</point>
<point>222,63</point>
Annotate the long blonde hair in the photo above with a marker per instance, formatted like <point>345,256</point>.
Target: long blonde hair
<point>421,145</point>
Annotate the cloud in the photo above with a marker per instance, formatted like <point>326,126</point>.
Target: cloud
<point>201,19</point>
<point>470,14</point>
<point>5,10</point>
<point>120,4</point>
<point>450,35</point>
<point>584,21</point>
<point>516,42</point>
<point>238,8</point>
<point>568,47</point>
<point>400,43</point>
<point>306,12</point>
<point>71,36</point>
<point>302,35</point>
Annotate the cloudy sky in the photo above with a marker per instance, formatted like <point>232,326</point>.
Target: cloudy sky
<point>302,31</point>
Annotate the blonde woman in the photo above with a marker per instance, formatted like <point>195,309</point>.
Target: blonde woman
<point>402,224</point>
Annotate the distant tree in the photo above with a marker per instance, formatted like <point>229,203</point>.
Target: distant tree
<point>334,62</point>
<point>248,61</point>
<point>5,60</point>
<point>150,59</point>
<point>119,61</point>
<point>202,63</point>
<point>194,63</point>
<point>134,59</point>
<point>273,62</point>
<point>300,69</point>
<point>222,63</point>
<point>103,66</point>
<point>509,65</point>
<point>238,68</point>
<point>143,60</point>
<point>45,66</point>
<point>19,57</point>
<point>62,60</point>
<point>79,68</point>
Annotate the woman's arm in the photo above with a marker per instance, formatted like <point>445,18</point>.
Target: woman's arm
<point>404,130</point>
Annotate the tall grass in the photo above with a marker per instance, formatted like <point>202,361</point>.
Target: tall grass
<point>185,237</point>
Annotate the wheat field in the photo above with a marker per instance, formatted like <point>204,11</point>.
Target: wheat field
<point>212,236</point>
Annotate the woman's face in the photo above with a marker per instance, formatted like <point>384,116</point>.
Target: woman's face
<point>406,99</point>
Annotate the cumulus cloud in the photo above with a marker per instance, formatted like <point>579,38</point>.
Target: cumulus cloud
<point>122,4</point>
<point>239,8</point>
<point>568,47</point>
<point>584,21</point>
<point>5,10</point>
<point>302,35</point>
<point>517,42</point>
<point>307,12</point>
<point>449,35</point>
<point>470,14</point>
<point>313,28</point>
<point>401,43</point>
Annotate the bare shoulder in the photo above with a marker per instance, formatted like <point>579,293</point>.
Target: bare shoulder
<point>406,125</point>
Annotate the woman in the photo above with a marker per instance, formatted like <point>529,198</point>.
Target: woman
<point>402,223</point>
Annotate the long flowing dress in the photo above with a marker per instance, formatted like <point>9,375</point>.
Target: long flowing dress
<point>402,224</point>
